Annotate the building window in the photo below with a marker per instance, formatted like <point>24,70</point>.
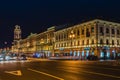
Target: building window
<point>117,42</point>
<point>64,44</point>
<point>107,30</point>
<point>56,37</point>
<point>112,42</point>
<point>87,33</point>
<point>55,45</point>
<point>117,32</point>
<point>74,44</point>
<point>78,43</point>
<point>107,41</point>
<point>64,35</point>
<point>59,37</point>
<point>83,42</point>
<point>67,35</point>
<point>78,32</point>
<point>101,29</point>
<point>113,31</point>
<point>92,29</point>
<point>82,31</point>
<point>71,43</point>
<point>92,41</point>
<point>88,42</point>
<point>101,41</point>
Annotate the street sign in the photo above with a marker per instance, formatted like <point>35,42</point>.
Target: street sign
<point>17,73</point>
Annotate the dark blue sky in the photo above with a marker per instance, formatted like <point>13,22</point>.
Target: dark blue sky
<point>36,15</point>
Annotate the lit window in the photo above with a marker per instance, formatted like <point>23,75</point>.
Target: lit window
<point>101,54</point>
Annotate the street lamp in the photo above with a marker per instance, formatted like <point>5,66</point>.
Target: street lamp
<point>71,36</point>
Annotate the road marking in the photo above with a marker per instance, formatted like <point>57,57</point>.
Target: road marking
<point>17,73</point>
<point>107,75</point>
<point>45,74</point>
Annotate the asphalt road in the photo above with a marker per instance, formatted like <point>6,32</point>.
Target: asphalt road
<point>59,70</point>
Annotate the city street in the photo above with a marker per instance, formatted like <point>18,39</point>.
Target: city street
<point>59,70</point>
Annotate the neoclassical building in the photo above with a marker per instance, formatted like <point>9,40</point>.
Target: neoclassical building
<point>96,37</point>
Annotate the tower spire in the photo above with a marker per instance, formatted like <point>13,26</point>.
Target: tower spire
<point>17,32</point>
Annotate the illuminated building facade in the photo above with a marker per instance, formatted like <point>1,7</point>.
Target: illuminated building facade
<point>44,42</point>
<point>97,37</point>
<point>28,45</point>
<point>41,43</point>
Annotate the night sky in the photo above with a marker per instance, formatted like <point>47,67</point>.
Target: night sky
<point>37,15</point>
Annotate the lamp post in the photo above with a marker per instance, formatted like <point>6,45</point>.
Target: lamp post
<point>71,36</point>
